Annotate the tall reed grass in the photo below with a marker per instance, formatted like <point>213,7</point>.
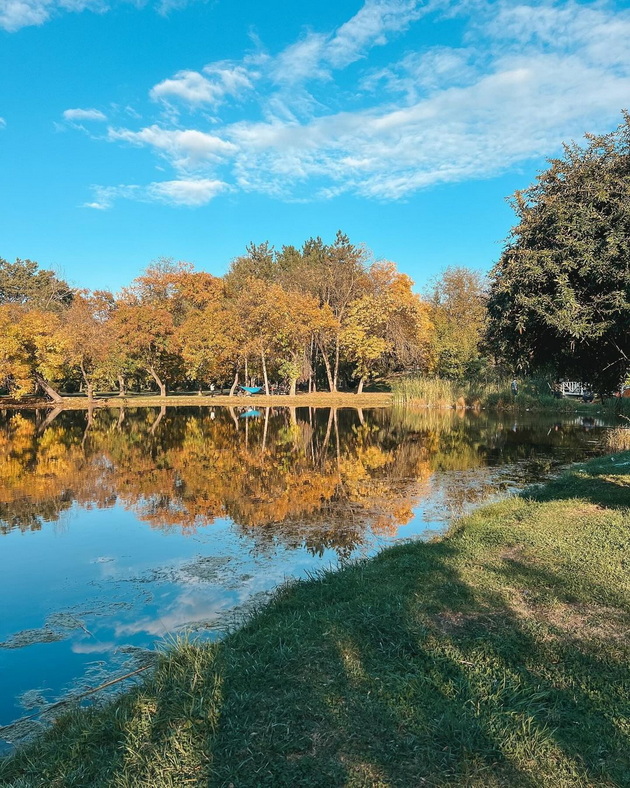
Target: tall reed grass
<point>533,394</point>
<point>618,439</point>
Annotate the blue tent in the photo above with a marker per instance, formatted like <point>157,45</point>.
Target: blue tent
<point>252,389</point>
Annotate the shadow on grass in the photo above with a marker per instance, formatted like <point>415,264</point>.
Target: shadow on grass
<point>604,482</point>
<point>496,657</point>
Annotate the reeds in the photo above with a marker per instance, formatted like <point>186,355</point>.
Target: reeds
<point>618,439</point>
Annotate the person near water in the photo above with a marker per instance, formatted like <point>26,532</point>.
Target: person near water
<point>514,387</point>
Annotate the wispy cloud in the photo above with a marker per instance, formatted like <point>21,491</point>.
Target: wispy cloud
<point>84,114</point>
<point>186,149</point>
<point>520,80</point>
<point>3,123</point>
<point>188,192</point>
<point>217,82</point>
<point>16,14</point>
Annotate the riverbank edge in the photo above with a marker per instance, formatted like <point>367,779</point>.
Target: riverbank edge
<point>492,656</point>
<point>318,400</point>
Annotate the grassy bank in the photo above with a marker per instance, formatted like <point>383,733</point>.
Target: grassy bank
<point>533,395</point>
<point>497,656</point>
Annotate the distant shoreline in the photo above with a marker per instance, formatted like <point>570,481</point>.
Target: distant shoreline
<point>318,400</point>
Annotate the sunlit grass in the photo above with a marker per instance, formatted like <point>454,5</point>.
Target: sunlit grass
<point>494,657</point>
<point>618,439</point>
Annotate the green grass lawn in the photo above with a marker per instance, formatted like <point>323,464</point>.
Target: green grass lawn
<point>498,656</point>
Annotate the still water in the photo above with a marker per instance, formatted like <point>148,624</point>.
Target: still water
<point>122,529</point>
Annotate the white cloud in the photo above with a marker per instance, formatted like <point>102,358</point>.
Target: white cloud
<point>519,81</point>
<point>190,192</point>
<point>186,192</point>
<point>3,123</point>
<point>312,57</point>
<point>84,114</point>
<point>185,148</point>
<point>15,14</point>
<point>370,26</point>
<point>220,80</point>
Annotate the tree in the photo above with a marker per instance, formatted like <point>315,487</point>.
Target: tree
<point>388,327</point>
<point>31,353</point>
<point>22,282</point>
<point>144,332</point>
<point>298,318</point>
<point>258,262</point>
<point>560,294</point>
<point>210,342</point>
<point>457,301</point>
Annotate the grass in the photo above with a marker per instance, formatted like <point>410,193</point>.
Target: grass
<point>497,656</point>
<point>618,439</point>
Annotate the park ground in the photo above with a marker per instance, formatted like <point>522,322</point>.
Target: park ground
<point>496,656</point>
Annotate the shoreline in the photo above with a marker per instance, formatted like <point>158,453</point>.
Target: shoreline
<point>318,400</point>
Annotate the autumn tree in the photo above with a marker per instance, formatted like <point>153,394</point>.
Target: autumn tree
<point>31,352</point>
<point>211,342</point>
<point>85,336</point>
<point>298,318</point>
<point>176,287</point>
<point>388,327</point>
<point>560,294</point>
<point>144,332</point>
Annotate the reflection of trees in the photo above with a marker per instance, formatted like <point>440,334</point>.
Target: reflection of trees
<point>309,476</point>
<point>314,477</point>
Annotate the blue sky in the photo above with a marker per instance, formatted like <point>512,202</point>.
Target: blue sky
<point>131,130</point>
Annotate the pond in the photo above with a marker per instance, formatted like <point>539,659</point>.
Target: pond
<point>120,530</point>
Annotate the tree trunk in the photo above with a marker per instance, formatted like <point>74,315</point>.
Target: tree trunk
<point>246,381</point>
<point>311,373</point>
<point>89,386</point>
<point>162,386</point>
<point>49,390</point>
<point>48,420</point>
<point>331,382</point>
<point>336,375</point>
<point>121,386</point>
<point>360,386</point>
<point>293,388</point>
<point>264,442</point>
<point>264,368</point>
<point>234,385</point>
<point>159,418</point>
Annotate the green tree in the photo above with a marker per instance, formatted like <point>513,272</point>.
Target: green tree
<point>457,301</point>
<point>22,282</point>
<point>560,294</point>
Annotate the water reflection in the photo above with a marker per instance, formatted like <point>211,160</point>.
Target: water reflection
<point>118,528</point>
<point>304,476</point>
